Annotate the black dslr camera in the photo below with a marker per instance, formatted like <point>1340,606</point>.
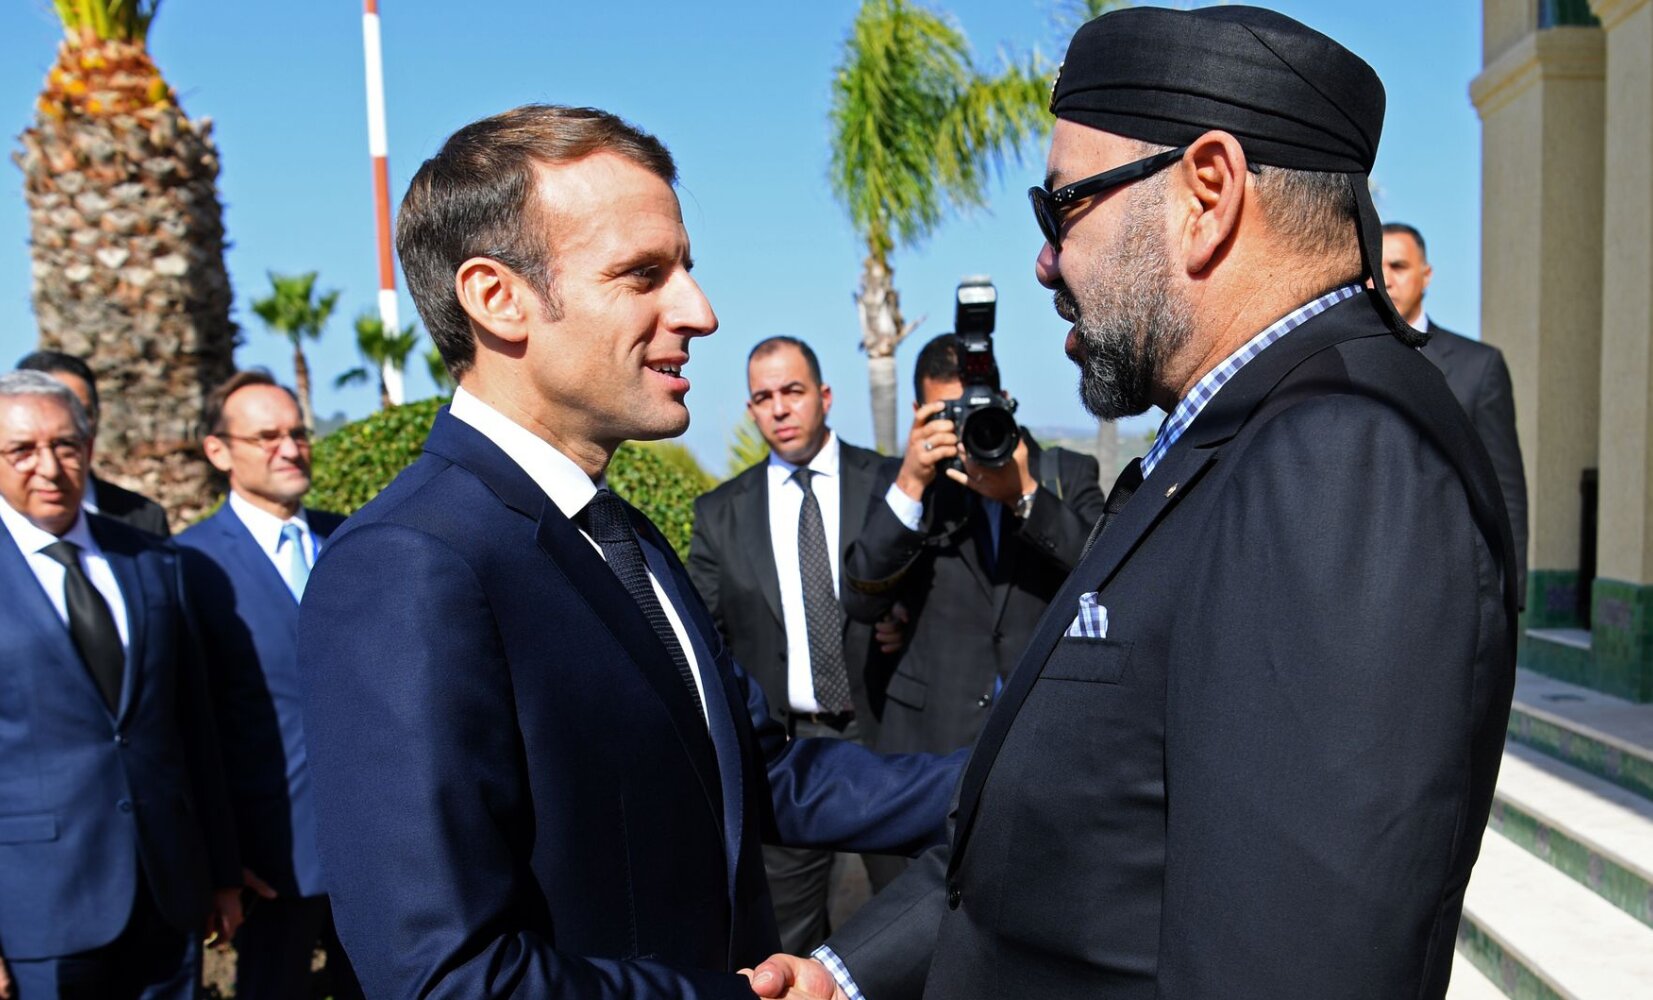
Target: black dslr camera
<point>983,418</point>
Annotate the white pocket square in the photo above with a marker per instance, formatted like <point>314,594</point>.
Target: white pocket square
<point>1092,620</point>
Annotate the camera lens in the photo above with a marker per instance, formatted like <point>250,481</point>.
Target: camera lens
<point>989,435</point>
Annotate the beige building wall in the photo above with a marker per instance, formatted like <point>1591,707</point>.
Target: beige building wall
<point>1625,550</point>
<point>1541,107</point>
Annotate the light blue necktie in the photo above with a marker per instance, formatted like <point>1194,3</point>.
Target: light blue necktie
<point>298,571</point>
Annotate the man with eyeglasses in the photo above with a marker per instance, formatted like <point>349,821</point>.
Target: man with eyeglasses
<point>102,496</point>
<point>1251,748</point>
<point>117,852</point>
<point>246,567</point>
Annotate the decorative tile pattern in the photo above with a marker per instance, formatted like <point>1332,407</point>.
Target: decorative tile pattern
<point>1621,639</point>
<point>1552,599</point>
<point>1619,886</point>
<point>1506,971</point>
<point>1631,772</point>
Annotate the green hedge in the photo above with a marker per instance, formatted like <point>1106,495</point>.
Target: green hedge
<point>352,464</point>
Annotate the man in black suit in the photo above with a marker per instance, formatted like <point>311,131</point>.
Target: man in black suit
<point>974,556</point>
<point>1475,372</point>
<point>766,555</point>
<point>1251,749</point>
<point>102,497</point>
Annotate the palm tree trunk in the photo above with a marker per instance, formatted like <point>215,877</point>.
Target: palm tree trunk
<point>879,305</point>
<point>1107,452</point>
<point>301,382</point>
<point>385,401</point>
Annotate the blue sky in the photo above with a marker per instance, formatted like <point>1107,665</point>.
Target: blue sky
<point>740,93</point>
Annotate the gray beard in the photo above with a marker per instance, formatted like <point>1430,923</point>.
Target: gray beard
<point>1128,322</point>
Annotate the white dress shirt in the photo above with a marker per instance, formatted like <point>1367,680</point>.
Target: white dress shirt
<point>89,502</point>
<point>266,531</point>
<point>566,484</point>
<point>786,501</point>
<point>910,512</point>
<point>51,574</point>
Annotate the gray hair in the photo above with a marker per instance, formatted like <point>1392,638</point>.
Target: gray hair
<point>32,383</point>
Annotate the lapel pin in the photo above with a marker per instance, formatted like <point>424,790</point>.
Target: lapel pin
<point>1171,490</point>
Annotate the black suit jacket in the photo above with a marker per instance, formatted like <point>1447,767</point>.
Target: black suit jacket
<point>732,564</point>
<point>1480,380</point>
<point>131,508</point>
<point>971,614</point>
<point>1270,778</point>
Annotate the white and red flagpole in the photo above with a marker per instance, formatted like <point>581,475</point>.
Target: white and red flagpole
<point>379,147</point>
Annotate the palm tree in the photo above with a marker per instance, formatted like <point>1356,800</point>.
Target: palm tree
<point>439,372</point>
<point>746,446</point>
<point>917,130</point>
<point>127,246</point>
<point>293,310</point>
<point>379,352</point>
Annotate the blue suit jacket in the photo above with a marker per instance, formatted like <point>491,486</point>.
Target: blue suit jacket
<point>248,621</point>
<point>516,795</point>
<point>87,796</point>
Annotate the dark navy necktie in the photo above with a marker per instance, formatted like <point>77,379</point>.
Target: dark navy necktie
<point>1127,484</point>
<point>91,624</point>
<point>822,613</point>
<point>605,518</point>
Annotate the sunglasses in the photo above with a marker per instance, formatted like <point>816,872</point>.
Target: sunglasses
<point>1051,207</point>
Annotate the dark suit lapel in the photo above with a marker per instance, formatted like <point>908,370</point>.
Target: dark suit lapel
<point>720,723</point>
<point>752,514</point>
<point>855,484</point>
<point>24,593</point>
<point>254,564</point>
<point>598,588</point>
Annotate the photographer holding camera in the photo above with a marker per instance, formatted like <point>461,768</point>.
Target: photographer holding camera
<point>977,530</point>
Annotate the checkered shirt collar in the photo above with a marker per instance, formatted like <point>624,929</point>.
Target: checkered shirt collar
<point>1205,389</point>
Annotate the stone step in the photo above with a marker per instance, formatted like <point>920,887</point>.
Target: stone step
<point>1468,983</point>
<point>1538,934</point>
<point>1596,833</point>
<point>1608,737</point>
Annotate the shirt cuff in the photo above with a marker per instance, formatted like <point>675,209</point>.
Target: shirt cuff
<point>835,965</point>
<point>908,511</point>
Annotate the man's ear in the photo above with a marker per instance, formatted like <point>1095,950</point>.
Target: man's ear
<point>218,453</point>
<point>496,299</point>
<point>1211,185</point>
<point>826,399</point>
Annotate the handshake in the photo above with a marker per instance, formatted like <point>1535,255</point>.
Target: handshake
<point>788,977</point>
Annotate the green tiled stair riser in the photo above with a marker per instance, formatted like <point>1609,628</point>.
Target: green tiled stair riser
<point>1628,771</point>
<point>1552,599</point>
<point>1506,971</point>
<point>1621,638</point>
<point>1623,888</point>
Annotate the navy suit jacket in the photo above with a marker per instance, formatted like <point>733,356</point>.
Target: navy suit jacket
<point>516,795</point>
<point>249,633</point>
<point>87,796</point>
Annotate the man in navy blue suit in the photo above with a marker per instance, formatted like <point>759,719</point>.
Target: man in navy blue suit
<point>537,770</point>
<point>245,568</point>
<point>116,845</point>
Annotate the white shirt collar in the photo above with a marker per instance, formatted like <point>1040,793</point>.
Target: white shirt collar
<point>558,475</point>
<point>825,462</point>
<point>265,526</point>
<point>1422,325</point>
<point>31,538</point>
<point>90,500</point>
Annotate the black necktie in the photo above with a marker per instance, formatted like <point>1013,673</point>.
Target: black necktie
<point>1123,487</point>
<point>605,517</point>
<point>822,613</point>
<point>91,625</point>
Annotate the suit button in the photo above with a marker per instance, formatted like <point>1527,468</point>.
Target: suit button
<point>998,637</point>
<point>124,805</point>
<point>953,897</point>
<point>984,701</point>
<point>121,739</point>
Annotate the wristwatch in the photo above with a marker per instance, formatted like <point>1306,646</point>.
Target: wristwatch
<point>1024,505</point>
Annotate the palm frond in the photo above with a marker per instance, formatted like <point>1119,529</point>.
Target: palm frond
<point>746,447</point>
<point>106,20</point>
<point>292,310</point>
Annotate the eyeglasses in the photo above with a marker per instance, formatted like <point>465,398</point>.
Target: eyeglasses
<point>270,441</point>
<point>67,451</point>
<point>1050,207</point>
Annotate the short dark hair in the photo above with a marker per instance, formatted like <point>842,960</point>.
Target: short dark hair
<point>939,360</point>
<point>52,362</point>
<point>476,198</point>
<point>769,345</point>
<point>213,416</point>
<point>1395,228</point>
